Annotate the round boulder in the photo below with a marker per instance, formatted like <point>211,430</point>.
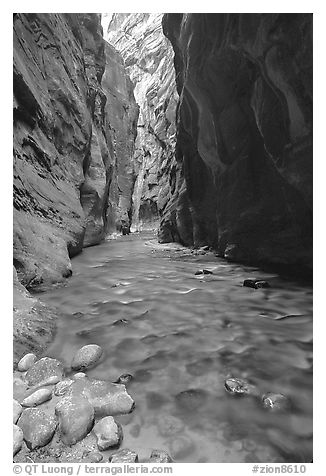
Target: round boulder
<point>17,439</point>
<point>40,396</point>
<point>86,357</point>
<point>38,427</point>
<point>108,433</point>
<point>76,418</point>
<point>45,371</point>
<point>26,362</point>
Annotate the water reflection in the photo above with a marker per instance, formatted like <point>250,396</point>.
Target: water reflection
<point>180,336</point>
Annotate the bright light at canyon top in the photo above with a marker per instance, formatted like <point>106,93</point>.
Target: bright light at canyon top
<point>105,21</point>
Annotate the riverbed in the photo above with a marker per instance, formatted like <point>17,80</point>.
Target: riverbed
<point>180,335</point>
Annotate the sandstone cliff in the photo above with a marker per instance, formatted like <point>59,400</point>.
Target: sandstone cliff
<point>242,181</point>
<point>148,57</point>
<point>66,145</point>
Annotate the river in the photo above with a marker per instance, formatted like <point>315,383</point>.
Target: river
<point>180,335</point>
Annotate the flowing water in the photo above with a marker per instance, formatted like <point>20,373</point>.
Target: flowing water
<point>180,335</point>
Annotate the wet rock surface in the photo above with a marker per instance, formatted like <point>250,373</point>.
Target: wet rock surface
<point>37,426</point>
<point>108,433</point>
<point>160,456</point>
<point>76,418</point>
<point>124,456</point>
<point>45,370</point>
<point>237,386</point>
<point>86,357</point>
<point>40,396</point>
<point>17,439</point>
<point>276,402</point>
<point>17,409</point>
<point>26,362</point>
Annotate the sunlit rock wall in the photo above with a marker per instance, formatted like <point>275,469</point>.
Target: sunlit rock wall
<point>148,57</point>
<point>242,181</point>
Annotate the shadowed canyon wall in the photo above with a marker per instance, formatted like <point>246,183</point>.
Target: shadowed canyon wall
<point>74,128</point>
<point>148,57</point>
<point>242,177</point>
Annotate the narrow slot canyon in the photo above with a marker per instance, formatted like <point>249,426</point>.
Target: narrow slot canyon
<point>162,176</point>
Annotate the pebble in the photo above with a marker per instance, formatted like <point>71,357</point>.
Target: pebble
<point>79,375</point>
<point>276,402</point>
<point>17,409</point>
<point>124,456</point>
<point>94,457</point>
<point>105,397</point>
<point>108,433</point>
<point>40,396</point>
<point>38,427</point>
<point>76,418</point>
<point>44,370</point>
<point>62,387</point>
<point>160,456</point>
<point>86,357</point>
<point>238,386</point>
<point>26,362</point>
<point>17,439</point>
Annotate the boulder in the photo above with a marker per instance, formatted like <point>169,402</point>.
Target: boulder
<point>38,427</point>
<point>76,418</point>
<point>276,402</point>
<point>79,375</point>
<point>45,370</point>
<point>94,457</point>
<point>40,396</point>
<point>86,357</point>
<point>17,439</point>
<point>203,271</point>
<point>124,379</point>
<point>17,409</point>
<point>26,362</point>
<point>108,433</point>
<point>124,456</point>
<point>160,456</point>
<point>62,387</point>
<point>105,397</point>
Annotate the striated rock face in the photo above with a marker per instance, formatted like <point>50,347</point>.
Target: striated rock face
<point>148,57</point>
<point>242,179</point>
<point>65,153</point>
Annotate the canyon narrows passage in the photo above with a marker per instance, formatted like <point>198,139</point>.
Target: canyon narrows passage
<point>161,162</point>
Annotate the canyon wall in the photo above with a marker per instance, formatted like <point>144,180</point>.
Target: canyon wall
<point>242,177</point>
<point>74,128</point>
<point>148,58</point>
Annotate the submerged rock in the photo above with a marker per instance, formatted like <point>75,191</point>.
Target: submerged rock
<point>276,402</point>
<point>17,439</point>
<point>238,386</point>
<point>191,399</point>
<point>17,409</point>
<point>40,396</point>
<point>38,427</point>
<point>45,370</point>
<point>108,433</point>
<point>124,379</point>
<point>203,271</point>
<point>26,362</point>
<point>169,425</point>
<point>255,283</point>
<point>124,456</point>
<point>105,397</point>
<point>160,456</point>
<point>181,447</point>
<point>76,418</point>
<point>86,357</point>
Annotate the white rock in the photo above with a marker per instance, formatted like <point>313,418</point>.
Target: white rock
<point>108,433</point>
<point>40,396</point>
<point>26,362</point>
<point>86,357</point>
